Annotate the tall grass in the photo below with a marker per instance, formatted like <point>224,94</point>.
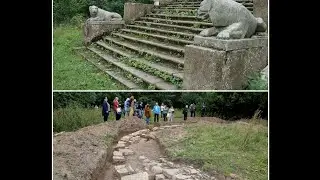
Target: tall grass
<point>237,148</point>
<point>74,117</point>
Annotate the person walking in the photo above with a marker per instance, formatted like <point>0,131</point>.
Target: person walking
<point>193,110</point>
<point>142,109</point>
<point>119,112</point>
<point>161,109</point>
<point>127,107</point>
<point>203,110</point>
<point>105,109</point>
<point>131,106</point>
<point>165,112</point>
<point>115,106</point>
<point>139,110</point>
<point>147,113</point>
<point>156,111</point>
<point>185,112</point>
<point>170,114</point>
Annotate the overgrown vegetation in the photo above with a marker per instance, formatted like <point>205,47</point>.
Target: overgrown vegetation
<point>70,71</point>
<point>255,82</point>
<point>237,148</point>
<point>65,10</point>
<point>74,117</point>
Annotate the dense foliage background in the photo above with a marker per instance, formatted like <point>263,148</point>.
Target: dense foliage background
<point>73,10</point>
<point>227,105</point>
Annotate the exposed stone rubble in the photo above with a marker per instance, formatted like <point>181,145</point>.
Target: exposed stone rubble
<point>160,169</point>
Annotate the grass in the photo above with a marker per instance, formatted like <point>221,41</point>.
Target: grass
<point>73,118</point>
<point>255,82</point>
<point>70,71</point>
<point>236,148</point>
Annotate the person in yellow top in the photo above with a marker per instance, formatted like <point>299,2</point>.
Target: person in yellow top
<point>131,106</point>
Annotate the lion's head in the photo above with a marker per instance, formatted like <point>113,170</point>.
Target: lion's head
<point>93,11</point>
<point>205,7</point>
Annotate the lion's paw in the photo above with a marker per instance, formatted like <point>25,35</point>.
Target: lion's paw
<point>223,35</point>
<point>204,33</point>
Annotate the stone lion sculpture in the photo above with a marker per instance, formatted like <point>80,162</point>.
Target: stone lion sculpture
<point>98,14</point>
<point>231,20</point>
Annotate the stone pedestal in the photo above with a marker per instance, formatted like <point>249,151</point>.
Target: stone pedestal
<point>93,30</point>
<point>133,11</point>
<point>216,64</point>
<point>260,9</point>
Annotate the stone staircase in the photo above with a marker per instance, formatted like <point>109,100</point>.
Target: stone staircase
<point>149,53</point>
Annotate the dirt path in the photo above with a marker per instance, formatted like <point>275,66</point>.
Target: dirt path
<point>138,156</point>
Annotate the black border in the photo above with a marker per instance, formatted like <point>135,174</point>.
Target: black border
<point>31,58</point>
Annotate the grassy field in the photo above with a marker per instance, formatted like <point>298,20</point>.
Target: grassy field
<point>70,71</point>
<point>236,148</point>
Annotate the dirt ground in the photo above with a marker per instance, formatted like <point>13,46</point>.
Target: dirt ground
<point>82,154</point>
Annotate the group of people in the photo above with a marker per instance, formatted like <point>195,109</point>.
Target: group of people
<point>116,108</point>
<point>133,108</point>
<point>164,111</point>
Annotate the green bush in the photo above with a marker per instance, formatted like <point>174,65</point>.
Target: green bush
<point>65,10</point>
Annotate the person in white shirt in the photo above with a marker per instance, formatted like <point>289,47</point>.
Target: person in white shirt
<point>161,109</point>
<point>170,113</point>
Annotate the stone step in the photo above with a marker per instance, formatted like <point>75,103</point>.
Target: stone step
<point>180,7</point>
<point>247,4</point>
<point>173,16</point>
<point>177,10</point>
<point>162,31</point>
<point>207,24</point>
<point>186,3</point>
<point>115,75</point>
<point>147,42</point>
<point>157,82</point>
<point>196,30</point>
<point>250,8</point>
<point>183,5</point>
<point>174,40</point>
<point>168,70</point>
<point>146,51</point>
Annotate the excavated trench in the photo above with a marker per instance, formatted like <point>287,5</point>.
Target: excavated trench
<point>139,155</point>
<point>145,147</point>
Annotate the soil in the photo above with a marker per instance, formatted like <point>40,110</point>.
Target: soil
<point>82,154</point>
<point>85,154</point>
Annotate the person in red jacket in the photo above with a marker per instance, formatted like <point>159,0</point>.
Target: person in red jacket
<point>115,105</point>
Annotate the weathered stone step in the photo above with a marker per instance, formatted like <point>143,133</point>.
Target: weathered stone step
<point>180,7</point>
<point>185,5</point>
<point>168,70</point>
<point>247,4</point>
<point>123,80</point>
<point>176,10</point>
<point>146,51</point>
<point>173,16</point>
<point>160,45</point>
<point>175,40</point>
<point>178,21</point>
<point>115,75</point>
<point>162,31</point>
<point>196,30</point>
<point>157,82</point>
